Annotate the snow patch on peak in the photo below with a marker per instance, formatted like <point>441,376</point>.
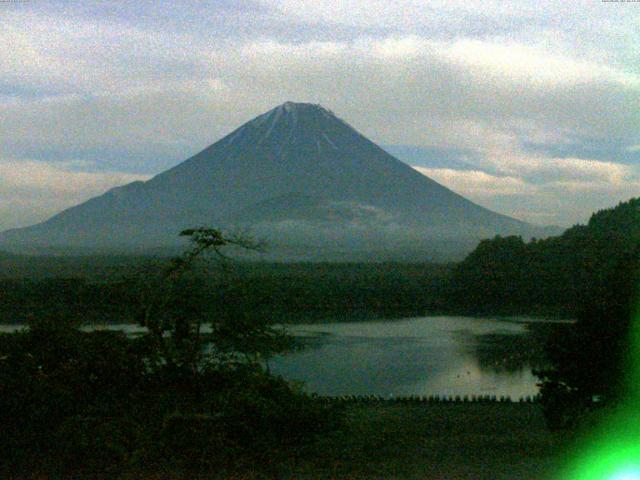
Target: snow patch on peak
<point>329,141</point>
<point>234,135</point>
<point>288,106</point>
<point>288,110</point>
<point>291,109</point>
<point>289,115</point>
<point>299,107</point>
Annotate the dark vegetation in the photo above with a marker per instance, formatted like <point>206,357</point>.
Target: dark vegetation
<point>100,289</point>
<point>557,276</point>
<point>171,402</point>
<point>592,360</point>
<point>415,441</point>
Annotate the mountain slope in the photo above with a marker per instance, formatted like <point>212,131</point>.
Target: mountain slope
<point>294,174</point>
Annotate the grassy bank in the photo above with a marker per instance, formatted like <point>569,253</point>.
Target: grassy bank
<point>395,441</point>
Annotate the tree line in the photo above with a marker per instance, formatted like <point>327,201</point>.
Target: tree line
<point>284,293</point>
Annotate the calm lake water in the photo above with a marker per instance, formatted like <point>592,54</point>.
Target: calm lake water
<point>413,356</point>
<point>418,356</point>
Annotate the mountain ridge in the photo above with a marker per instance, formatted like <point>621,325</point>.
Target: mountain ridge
<point>293,152</point>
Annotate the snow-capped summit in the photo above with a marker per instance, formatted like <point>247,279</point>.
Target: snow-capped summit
<point>285,119</point>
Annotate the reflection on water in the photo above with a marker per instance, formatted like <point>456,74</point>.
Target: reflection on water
<point>415,356</point>
<point>513,353</point>
<point>418,356</point>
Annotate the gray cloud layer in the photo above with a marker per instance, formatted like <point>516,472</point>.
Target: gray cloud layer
<point>536,104</point>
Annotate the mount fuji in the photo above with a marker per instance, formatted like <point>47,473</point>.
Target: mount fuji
<point>299,177</point>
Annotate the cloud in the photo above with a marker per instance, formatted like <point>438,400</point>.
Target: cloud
<point>580,170</point>
<point>31,191</point>
<point>476,183</point>
<point>525,63</point>
<point>136,93</point>
<point>434,96</point>
<point>550,191</point>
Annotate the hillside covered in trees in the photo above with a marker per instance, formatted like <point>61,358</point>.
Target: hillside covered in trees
<point>555,276</point>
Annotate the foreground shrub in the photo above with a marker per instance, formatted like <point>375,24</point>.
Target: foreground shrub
<point>80,404</point>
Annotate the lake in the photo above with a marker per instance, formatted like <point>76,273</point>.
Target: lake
<point>418,356</point>
<point>414,356</point>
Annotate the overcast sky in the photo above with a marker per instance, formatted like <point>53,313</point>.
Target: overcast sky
<point>531,108</point>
